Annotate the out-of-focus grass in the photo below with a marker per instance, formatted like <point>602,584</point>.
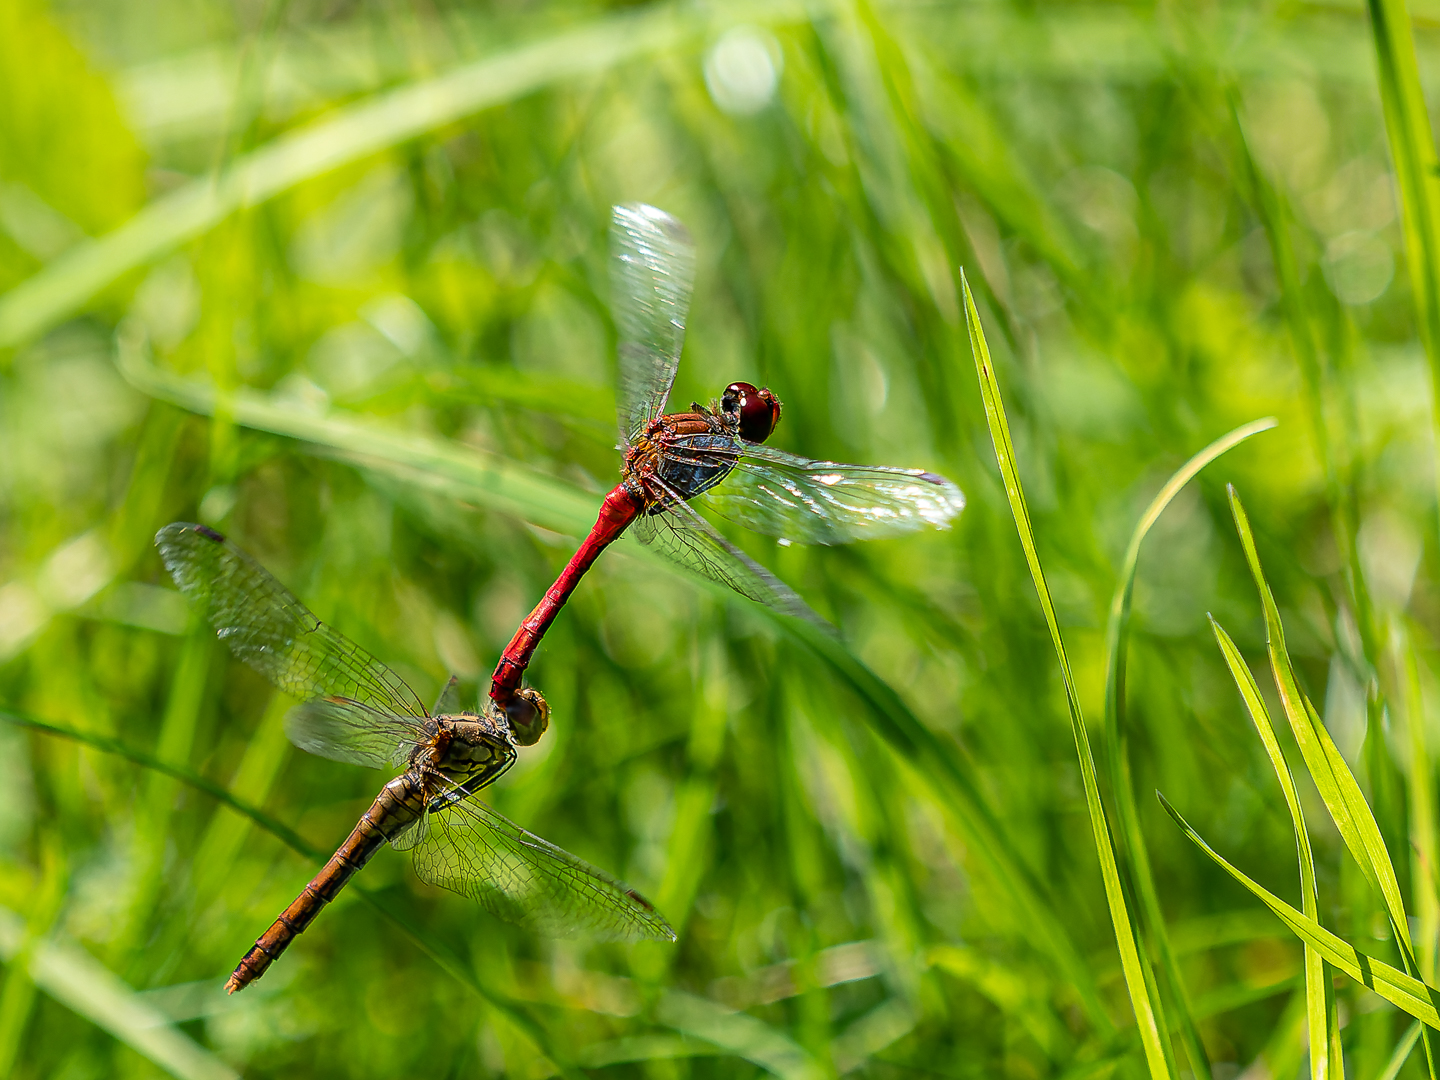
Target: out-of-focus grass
<point>333,279</point>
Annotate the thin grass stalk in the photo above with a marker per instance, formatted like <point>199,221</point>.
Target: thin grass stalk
<point>1276,219</point>
<point>1139,979</point>
<point>17,996</point>
<point>1417,173</point>
<point>1132,840</point>
<point>1423,829</point>
<point>1402,1052</point>
<point>1319,993</point>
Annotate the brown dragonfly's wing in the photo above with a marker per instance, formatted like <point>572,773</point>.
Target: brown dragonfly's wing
<point>684,537</point>
<point>344,730</point>
<point>518,877</point>
<point>267,627</point>
<point>824,502</point>
<point>412,834</point>
<point>448,703</point>
<point>652,272</point>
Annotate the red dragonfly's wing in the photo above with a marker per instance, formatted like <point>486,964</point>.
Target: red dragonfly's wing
<point>652,271</point>
<point>684,537</point>
<point>518,877</point>
<point>364,713</point>
<point>823,502</point>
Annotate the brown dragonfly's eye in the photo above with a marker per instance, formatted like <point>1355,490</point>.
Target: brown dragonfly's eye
<point>755,411</point>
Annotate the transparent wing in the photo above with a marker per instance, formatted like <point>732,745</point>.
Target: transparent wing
<point>267,627</point>
<point>448,703</point>
<point>652,272</point>
<point>823,502</point>
<point>518,877</point>
<point>344,730</point>
<point>410,836</point>
<point>684,537</point>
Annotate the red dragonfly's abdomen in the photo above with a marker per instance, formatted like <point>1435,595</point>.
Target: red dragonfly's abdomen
<point>399,803</point>
<point>619,509</point>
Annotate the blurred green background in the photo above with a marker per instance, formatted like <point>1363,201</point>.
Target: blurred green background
<point>332,278</point>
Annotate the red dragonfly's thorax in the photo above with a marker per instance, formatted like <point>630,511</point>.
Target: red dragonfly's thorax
<point>645,457</point>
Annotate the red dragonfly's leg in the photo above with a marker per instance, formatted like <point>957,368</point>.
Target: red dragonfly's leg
<point>400,802</point>
<point>619,509</point>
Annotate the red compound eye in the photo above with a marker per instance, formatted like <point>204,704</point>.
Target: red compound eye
<point>756,411</point>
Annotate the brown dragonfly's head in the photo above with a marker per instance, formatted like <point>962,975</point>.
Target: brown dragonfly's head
<point>754,412</point>
<point>528,715</point>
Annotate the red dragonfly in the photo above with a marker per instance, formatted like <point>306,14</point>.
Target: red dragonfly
<point>713,457</point>
<point>358,710</point>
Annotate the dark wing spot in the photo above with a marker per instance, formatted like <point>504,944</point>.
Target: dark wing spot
<point>209,533</point>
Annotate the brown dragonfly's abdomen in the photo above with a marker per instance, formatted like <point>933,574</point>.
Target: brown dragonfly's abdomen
<point>399,803</point>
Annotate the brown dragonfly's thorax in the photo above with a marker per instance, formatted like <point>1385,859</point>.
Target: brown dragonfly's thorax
<point>469,750</point>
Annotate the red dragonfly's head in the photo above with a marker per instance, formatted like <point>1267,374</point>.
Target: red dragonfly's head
<point>756,412</point>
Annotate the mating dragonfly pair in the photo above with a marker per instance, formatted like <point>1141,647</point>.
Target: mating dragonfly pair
<point>356,709</point>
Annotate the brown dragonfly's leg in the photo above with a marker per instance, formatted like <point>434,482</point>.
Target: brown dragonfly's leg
<point>399,803</point>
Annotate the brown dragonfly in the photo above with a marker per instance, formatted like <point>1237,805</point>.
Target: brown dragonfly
<point>357,710</point>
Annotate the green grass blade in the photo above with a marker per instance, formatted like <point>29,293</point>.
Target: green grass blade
<point>1402,1052</point>
<point>1423,828</point>
<point>1417,170</point>
<point>1318,991</point>
<point>1405,992</point>
<point>1149,1010</point>
<point>17,997</point>
<point>1116,649</point>
<point>1333,779</point>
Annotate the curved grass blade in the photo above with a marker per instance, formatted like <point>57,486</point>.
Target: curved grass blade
<point>1132,841</point>
<point>488,480</point>
<point>1319,992</point>
<point>513,1011</point>
<point>1139,978</point>
<point>1405,992</point>
<point>1333,779</point>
